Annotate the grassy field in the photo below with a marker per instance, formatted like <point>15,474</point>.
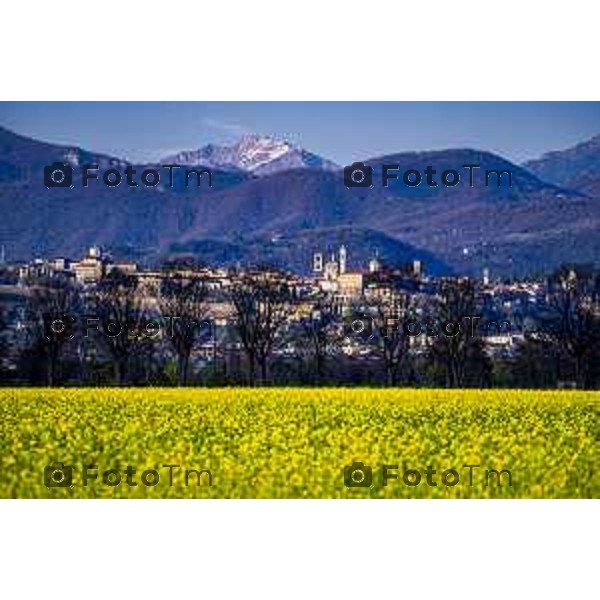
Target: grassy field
<point>274,443</point>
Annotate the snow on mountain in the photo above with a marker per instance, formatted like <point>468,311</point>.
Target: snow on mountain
<point>255,151</point>
<point>257,154</point>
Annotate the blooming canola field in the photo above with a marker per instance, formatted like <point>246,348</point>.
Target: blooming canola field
<point>298,443</point>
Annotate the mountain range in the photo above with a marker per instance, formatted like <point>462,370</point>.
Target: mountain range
<point>274,202</point>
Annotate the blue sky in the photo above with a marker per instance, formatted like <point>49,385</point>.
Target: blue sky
<point>340,131</point>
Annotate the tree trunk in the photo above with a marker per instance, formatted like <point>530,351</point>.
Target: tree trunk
<point>119,372</point>
<point>319,369</point>
<point>51,370</point>
<point>389,375</point>
<point>580,378</point>
<point>264,370</point>
<point>184,360</point>
<point>251,369</point>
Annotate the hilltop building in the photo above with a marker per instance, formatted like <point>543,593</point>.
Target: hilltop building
<point>91,268</point>
<point>333,275</point>
<point>486,277</point>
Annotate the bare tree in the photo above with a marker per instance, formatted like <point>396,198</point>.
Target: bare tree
<point>120,309</point>
<point>262,302</point>
<point>183,303</point>
<point>455,347</point>
<point>53,306</point>
<point>317,330</point>
<point>571,323</point>
<point>3,334</point>
<point>390,317</point>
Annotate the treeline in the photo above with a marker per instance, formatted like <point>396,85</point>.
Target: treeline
<point>260,330</point>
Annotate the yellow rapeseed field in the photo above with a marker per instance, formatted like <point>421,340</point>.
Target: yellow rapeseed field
<point>295,443</point>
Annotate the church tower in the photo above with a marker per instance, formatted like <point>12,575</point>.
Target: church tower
<point>317,262</point>
<point>343,259</point>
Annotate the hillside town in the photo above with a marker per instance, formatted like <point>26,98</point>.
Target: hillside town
<point>189,323</point>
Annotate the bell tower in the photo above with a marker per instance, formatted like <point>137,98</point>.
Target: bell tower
<point>318,262</point>
<point>343,259</point>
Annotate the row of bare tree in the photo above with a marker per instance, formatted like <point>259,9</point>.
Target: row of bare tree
<point>265,313</point>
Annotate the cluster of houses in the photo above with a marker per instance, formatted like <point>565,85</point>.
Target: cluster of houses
<point>91,268</point>
<point>330,275</point>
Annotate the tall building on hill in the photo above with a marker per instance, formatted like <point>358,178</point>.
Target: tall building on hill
<point>318,262</point>
<point>336,265</point>
<point>334,276</point>
<point>343,259</point>
<point>374,265</point>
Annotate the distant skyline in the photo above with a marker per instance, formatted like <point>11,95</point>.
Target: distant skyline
<point>339,131</point>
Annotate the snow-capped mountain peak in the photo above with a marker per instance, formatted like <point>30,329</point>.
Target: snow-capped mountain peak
<point>253,153</point>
